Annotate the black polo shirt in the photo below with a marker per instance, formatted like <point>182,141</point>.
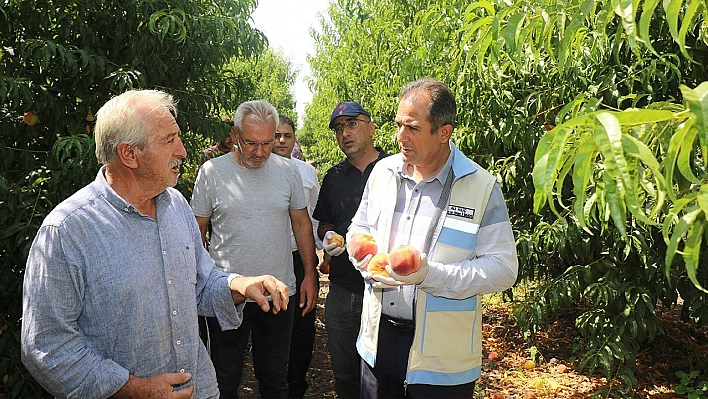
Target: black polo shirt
<point>340,194</point>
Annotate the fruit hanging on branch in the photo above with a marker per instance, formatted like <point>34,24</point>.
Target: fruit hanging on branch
<point>30,118</point>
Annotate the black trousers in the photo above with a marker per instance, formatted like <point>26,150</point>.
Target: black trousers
<point>386,380</point>
<point>270,338</point>
<point>303,338</point>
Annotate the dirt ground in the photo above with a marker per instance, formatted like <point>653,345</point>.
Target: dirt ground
<point>683,348</point>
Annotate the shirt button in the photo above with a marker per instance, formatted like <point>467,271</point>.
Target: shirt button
<point>164,252</point>
<point>169,282</point>
<point>181,370</point>
<point>174,313</point>
<point>392,304</point>
<point>179,342</point>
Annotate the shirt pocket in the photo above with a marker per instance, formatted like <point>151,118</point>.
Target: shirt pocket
<point>459,234</point>
<point>372,216</point>
<point>457,240</point>
<point>189,270</point>
<point>449,326</point>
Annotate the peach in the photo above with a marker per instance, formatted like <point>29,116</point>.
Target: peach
<point>360,245</point>
<point>30,118</point>
<point>337,239</point>
<point>324,267</point>
<point>404,260</point>
<point>493,356</point>
<point>377,264</point>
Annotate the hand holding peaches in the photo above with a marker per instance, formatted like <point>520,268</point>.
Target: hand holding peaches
<point>402,266</point>
<point>403,260</point>
<point>333,243</point>
<point>360,245</point>
<point>406,267</point>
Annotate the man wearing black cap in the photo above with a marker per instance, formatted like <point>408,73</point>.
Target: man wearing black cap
<point>341,191</point>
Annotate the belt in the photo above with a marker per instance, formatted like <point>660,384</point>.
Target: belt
<point>400,325</point>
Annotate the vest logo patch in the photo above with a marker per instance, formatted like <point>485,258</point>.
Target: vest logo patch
<point>461,211</point>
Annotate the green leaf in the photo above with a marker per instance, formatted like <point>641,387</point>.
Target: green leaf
<point>642,153</point>
<point>670,161</point>
<point>672,8</point>
<point>511,31</point>
<point>488,6</point>
<point>683,225</point>
<point>694,7</point>
<point>618,210</point>
<point>686,150</point>
<point>583,165</point>
<point>692,247</point>
<point>548,156</point>
<point>697,103</point>
<point>625,10</point>
<point>645,22</point>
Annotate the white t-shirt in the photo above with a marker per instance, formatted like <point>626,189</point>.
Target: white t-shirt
<point>311,185</point>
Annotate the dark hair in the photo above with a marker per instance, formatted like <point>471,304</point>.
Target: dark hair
<point>286,119</point>
<point>442,108</point>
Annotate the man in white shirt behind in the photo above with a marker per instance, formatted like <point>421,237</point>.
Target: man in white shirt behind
<point>303,338</point>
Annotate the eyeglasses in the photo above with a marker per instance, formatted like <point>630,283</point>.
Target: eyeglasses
<point>349,124</point>
<point>252,145</point>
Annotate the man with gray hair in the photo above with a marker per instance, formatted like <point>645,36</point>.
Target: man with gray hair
<point>116,277</point>
<point>249,197</point>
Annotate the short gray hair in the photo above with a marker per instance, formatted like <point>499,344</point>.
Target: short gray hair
<point>257,110</point>
<point>126,118</point>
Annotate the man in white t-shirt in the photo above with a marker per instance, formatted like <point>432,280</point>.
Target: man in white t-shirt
<point>252,200</point>
<point>303,338</point>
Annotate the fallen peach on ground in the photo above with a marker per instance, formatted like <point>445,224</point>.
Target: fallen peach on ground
<point>362,244</point>
<point>404,260</point>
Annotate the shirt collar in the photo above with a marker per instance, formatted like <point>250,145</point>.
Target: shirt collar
<point>116,200</point>
<point>441,176</point>
<point>382,155</point>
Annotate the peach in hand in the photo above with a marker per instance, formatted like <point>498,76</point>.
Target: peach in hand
<point>377,264</point>
<point>337,239</point>
<point>360,245</point>
<point>404,260</point>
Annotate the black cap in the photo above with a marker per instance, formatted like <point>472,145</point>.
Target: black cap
<point>347,108</point>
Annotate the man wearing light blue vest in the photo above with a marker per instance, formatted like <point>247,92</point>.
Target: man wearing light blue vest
<point>420,334</point>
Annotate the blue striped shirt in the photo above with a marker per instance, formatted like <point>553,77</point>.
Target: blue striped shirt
<point>110,292</point>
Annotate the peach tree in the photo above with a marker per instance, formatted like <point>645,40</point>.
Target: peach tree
<point>59,62</point>
<point>564,101</point>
